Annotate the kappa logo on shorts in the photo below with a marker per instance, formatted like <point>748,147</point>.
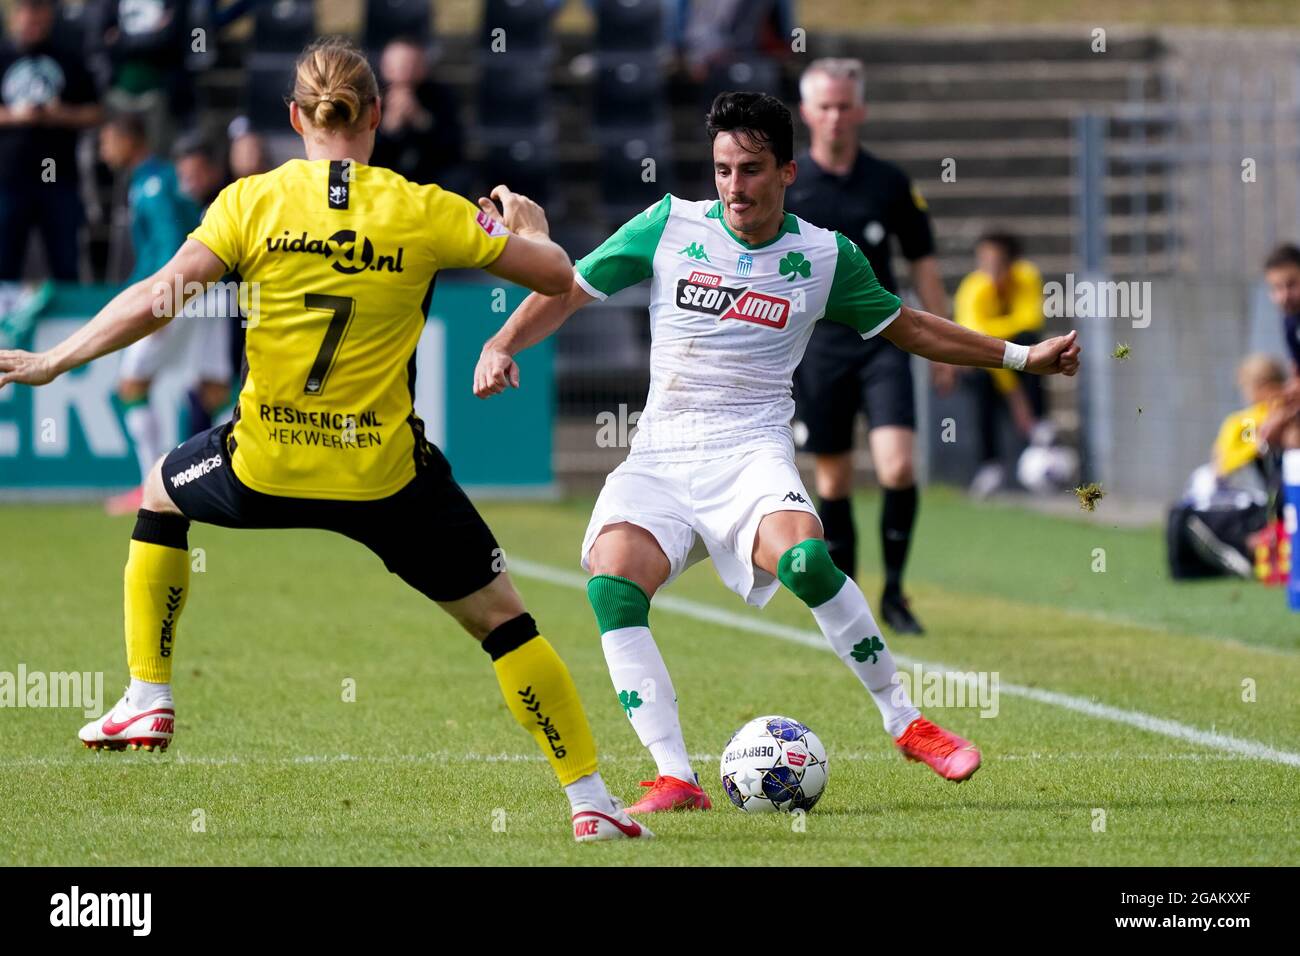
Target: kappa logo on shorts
<point>196,470</point>
<point>795,496</point>
<point>704,292</point>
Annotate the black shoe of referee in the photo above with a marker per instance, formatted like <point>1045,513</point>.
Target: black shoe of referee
<point>897,614</point>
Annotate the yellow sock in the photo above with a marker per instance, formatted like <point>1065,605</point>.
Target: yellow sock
<point>542,697</point>
<point>156,585</point>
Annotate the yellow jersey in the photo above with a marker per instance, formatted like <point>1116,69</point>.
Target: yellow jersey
<point>978,305</point>
<point>1235,445</point>
<point>338,260</point>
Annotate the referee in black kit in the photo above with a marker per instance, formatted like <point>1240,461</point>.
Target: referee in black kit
<point>841,186</point>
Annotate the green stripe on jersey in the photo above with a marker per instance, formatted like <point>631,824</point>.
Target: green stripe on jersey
<point>627,257</point>
<point>857,299</point>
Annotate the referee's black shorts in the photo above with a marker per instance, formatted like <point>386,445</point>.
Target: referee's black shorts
<point>840,375</point>
<point>429,533</point>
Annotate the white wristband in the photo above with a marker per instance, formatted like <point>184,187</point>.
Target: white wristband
<point>1015,356</point>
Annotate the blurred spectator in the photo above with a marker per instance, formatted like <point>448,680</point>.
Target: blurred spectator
<point>248,155</point>
<point>1282,273</point>
<point>420,134</point>
<point>48,97</point>
<point>718,31</point>
<point>146,42</point>
<point>1262,381</point>
<point>161,217</point>
<point>199,169</point>
<point>1224,523</point>
<point>201,174</point>
<point>1003,297</point>
<point>221,17</point>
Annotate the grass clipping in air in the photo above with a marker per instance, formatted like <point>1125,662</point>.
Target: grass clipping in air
<point>1089,495</point>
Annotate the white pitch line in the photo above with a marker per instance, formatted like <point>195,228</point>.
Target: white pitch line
<point>1133,718</point>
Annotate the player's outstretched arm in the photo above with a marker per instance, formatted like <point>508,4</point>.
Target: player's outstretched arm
<point>133,313</point>
<point>530,259</point>
<point>537,317</point>
<point>939,340</point>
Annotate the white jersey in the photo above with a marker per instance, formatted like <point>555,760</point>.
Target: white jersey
<point>729,322</point>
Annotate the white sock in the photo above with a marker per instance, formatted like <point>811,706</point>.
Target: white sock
<point>589,791</point>
<point>145,694</point>
<point>847,622</point>
<point>142,426</point>
<point>646,692</point>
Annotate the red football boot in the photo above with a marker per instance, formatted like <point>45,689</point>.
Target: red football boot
<point>948,755</point>
<point>670,793</point>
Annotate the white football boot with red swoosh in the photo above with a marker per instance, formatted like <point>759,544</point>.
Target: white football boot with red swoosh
<point>591,823</point>
<point>129,726</point>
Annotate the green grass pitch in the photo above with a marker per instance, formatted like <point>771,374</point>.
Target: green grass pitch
<point>271,766</point>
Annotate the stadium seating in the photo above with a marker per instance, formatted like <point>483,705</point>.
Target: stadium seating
<point>629,92</point>
<point>526,25</point>
<point>629,26</point>
<point>625,188</point>
<point>388,19</point>
<point>750,73</point>
<point>280,31</point>
<point>284,27</point>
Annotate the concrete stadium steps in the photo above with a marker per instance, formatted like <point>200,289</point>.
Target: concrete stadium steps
<point>1012,81</point>
<point>985,45</point>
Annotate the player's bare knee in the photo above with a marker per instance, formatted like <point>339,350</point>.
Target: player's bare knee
<point>897,473</point>
<point>487,608</point>
<point>834,476</point>
<point>779,532</point>
<point>155,497</point>
<point>631,552</point>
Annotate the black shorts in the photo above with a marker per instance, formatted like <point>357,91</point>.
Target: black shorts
<point>840,375</point>
<point>429,533</point>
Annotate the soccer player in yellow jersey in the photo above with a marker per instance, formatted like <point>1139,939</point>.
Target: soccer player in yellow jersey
<point>342,258</point>
<point>1003,298</point>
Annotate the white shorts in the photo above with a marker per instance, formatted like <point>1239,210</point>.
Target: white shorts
<point>196,341</point>
<point>701,508</point>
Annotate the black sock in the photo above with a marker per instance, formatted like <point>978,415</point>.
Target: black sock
<point>841,538</point>
<point>897,515</point>
<point>155,527</point>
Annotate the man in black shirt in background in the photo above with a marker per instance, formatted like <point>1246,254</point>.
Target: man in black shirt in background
<point>420,134</point>
<point>46,98</point>
<point>841,186</point>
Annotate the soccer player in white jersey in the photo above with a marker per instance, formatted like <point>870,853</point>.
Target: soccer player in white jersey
<point>736,285</point>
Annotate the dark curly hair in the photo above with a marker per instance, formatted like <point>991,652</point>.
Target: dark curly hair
<point>760,120</point>
<point>1008,242</point>
<point>1286,254</point>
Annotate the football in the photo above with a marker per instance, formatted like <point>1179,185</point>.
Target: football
<point>1046,469</point>
<point>774,763</point>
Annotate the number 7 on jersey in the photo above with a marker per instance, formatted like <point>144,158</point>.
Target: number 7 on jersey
<point>342,309</point>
